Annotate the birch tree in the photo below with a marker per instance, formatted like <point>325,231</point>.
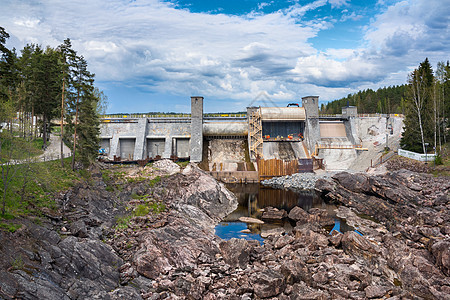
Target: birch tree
<point>418,119</point>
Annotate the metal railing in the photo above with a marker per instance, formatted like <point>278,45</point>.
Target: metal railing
<point>382,159</point>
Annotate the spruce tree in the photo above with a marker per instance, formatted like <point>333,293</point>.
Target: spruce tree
<point>418,129</point>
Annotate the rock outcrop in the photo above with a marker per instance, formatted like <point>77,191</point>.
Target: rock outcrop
<point>399,251</point>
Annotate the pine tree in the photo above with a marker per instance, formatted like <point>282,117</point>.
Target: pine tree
<point>80,94</point>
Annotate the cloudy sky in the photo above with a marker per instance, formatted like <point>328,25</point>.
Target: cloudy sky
<point>151,55</point>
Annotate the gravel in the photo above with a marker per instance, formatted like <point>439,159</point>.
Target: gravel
<point>297,181</point>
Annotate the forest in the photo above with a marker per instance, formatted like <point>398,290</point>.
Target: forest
<point>40,85</point>
<point>42,91</point>
<point>388,100</point>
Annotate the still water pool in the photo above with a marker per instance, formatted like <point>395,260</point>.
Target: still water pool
<point>253,198</point>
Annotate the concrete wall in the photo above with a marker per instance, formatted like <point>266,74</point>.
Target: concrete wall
<point>350,111</point>
<point>177,131</point>
<point>312,133</point>
<point>141,130</point>
<point>350,130</point>
<point>225,129</point>
<point>416,156</point>
<point>169,131</point>
<point>196,145</point>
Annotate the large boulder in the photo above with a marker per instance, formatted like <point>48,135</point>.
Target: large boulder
<point>298,214</point>
<point>268,283</point>
<point>441,252</point>
<point>236,252</point>
<point>272,214</point>
<point>356,245</point>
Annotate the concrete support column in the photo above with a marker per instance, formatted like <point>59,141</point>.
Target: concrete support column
<point>141,144</point>
<point>312,130</point>
<point>115,146</point>
<point>196,144</point>
<point>167,147</point>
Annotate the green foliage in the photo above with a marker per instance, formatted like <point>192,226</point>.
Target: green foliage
<point>123,222</point>
<point>18,263</point>
<point>438,160</point>
<point>419,124</point>
<point>11,227</point>
<point>158,207</point>
<point>182,164</point>
<point>154,181</point>
<point>141,210</point>
<point>50,82</point>
<point>47,179</point>
<point>384,100</point>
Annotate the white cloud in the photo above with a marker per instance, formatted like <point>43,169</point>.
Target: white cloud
<point>264,4</point>
<point>338,3</point>
<point>160,48</point>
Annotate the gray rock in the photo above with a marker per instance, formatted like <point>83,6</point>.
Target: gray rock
<point>268,283</point>
<point>299,214</point>
<point>376,291</point>
<point>78,228</point>
<point>236,252</point>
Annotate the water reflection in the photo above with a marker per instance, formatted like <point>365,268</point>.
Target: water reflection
<point>253,198</point>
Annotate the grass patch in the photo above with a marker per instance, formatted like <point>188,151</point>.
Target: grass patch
<point>123,222</point>
<point>141,210</point>
<point>157,207</point>
<point>18,263</point>
<point>11,227</point>
<point>441,165</point>
<point>182,164</point>
<point>154,181</point>
<point>34,185</point>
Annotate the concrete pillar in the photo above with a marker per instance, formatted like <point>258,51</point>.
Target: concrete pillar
<point>141,134</point>
<point>350,111</point>
<point>115,145</point>
<point>167,147</point>
<point>196,143</point>
<point>312,128</point>
<point>311,105</point>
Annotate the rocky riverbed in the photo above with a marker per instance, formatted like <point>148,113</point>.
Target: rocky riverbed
<point>171,251</point>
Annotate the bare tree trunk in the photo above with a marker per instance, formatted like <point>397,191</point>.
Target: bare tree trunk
<point>435,118</point>
<point>33,123</point>
<point>62,126</point>
<point>44,119</point>
<point>75,133</point>
<point>418,99</point>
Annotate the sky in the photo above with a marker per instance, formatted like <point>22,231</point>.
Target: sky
<point>154,55</point>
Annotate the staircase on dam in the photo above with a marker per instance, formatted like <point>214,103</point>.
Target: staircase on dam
<point>255,133</point>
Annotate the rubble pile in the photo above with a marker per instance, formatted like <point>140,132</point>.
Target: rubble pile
<point>297,181</point>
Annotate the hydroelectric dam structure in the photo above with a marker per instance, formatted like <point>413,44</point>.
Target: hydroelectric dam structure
<point>264,130</point>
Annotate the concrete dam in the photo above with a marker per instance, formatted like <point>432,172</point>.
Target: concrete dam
<point>234,143</point>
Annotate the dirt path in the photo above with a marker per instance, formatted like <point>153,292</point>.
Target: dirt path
<point>53,151</point>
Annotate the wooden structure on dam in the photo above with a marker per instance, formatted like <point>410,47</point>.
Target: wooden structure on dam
<point>267,169</point>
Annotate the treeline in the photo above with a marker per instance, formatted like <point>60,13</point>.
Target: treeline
<point>386,100</point>
<point>47,84</point>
